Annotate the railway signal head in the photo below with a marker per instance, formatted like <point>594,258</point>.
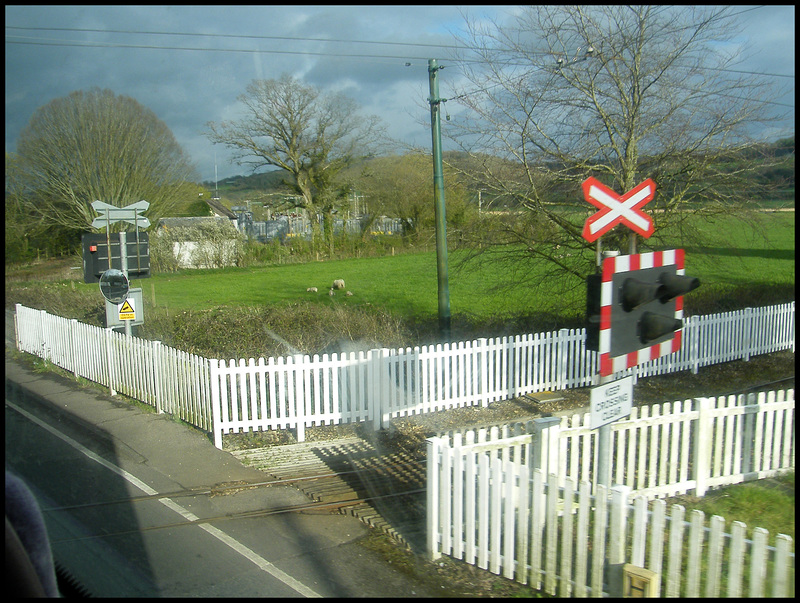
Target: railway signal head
<point>640,308</point>
<point>644,309</point>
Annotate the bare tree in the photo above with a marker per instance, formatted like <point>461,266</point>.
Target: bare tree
<point>400,186</point>
<point>97,146</point>
<point>311,135</point>
<point>622,93</point>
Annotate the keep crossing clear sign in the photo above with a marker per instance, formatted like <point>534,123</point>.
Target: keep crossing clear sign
<point>611,401</point>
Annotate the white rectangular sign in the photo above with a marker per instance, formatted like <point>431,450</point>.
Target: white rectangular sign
<point>131,310</point>
<point>611,401</point>
<point>138,206</point>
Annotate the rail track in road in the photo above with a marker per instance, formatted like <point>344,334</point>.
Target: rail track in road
<point>384,489</point>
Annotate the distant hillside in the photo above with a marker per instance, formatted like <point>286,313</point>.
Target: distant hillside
<point>262,182</point>
<point>236,189</point>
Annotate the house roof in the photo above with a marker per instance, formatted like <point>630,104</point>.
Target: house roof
<point>172,222</point>
<point>220,210</point>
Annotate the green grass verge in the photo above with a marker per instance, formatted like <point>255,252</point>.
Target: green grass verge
<point>767,503</point>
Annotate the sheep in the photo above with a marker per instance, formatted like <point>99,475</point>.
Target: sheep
<point>338,284</point>
<point>331,292</point>
<point>312,289</point>
<point>349,293</point>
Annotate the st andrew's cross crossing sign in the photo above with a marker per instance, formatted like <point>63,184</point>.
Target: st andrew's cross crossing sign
<point>109,214</point>
<point>617,209</point>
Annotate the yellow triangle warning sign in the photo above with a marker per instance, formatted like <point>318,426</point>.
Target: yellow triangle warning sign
<point>126,311</point>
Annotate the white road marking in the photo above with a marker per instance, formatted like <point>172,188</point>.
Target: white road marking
<point>237,546</point>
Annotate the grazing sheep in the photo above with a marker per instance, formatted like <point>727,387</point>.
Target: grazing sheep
<point>312,289</point>
<point>349,293</point>
<point>338,284</point>
<point>331,292</point>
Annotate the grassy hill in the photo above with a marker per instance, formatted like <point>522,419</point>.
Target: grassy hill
<point>778,179</point>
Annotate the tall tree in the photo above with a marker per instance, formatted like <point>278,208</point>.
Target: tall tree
<point>309,134</point>
<point>401,186</point>
<point>622,93</point>
<point>97,146</point>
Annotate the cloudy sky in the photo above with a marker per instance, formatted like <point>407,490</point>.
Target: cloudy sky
<point>378,55</point>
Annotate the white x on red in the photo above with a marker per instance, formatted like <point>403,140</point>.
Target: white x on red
<point>616,209</point>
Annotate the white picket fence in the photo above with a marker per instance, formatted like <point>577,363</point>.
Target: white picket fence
<point>488,503</point>
<point>377,385</point>
<point>170,380</point>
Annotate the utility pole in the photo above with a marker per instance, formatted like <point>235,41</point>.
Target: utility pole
<point>438,197</point>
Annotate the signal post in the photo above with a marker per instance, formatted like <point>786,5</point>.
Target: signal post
<point>634,306</point>
<point>123,305</point>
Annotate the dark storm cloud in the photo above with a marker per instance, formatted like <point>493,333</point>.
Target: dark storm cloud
<point>188,88</point>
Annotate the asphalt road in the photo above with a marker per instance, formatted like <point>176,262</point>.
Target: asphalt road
<point>119,548</point>
<point>108,477</point>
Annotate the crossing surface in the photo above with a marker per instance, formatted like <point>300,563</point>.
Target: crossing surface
<point>387,489</point>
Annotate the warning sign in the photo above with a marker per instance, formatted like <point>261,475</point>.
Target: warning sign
<point>126,310</point>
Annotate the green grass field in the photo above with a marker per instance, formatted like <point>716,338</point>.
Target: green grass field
<point>738,266</point>
<point>406,284</point>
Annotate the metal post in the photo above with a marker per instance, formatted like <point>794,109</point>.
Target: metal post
<point>604,449</point>
<point>604,431</point>
<point>123,253</point>
<point>438,196</point>
<point>138,259</point>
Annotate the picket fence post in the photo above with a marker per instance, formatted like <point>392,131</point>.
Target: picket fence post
<point>747,339</point>
<point>300,403</point>
<point>73,346</point>
<point>433,448</point>
<point>108,340</point>
<point>693,323</point>
<point>483,370</point>
<point>213,366</point>
<point>545,445</point>
<point>702,444</point>
<point>377,387</point>
<point>157,359</point>
<point>43,333</point>
<point>18,341</point>
<point>616,538</point>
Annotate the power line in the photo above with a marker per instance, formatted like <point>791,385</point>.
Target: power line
<point>186,48</point>
<point>239,36</point>
<point>73,43</point>
<point>79,44</point>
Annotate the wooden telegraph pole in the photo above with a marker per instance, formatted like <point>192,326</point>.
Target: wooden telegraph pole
<point>438,196</point>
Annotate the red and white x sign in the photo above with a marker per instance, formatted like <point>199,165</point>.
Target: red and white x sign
<point>616,209</point>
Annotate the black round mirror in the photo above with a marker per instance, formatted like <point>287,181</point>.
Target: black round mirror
<point>114,286</point>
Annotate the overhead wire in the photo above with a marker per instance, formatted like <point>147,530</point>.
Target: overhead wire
<point>45,42</point>
<point>406,58</point>
<point>236,36</point>
<point>77,43</point>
